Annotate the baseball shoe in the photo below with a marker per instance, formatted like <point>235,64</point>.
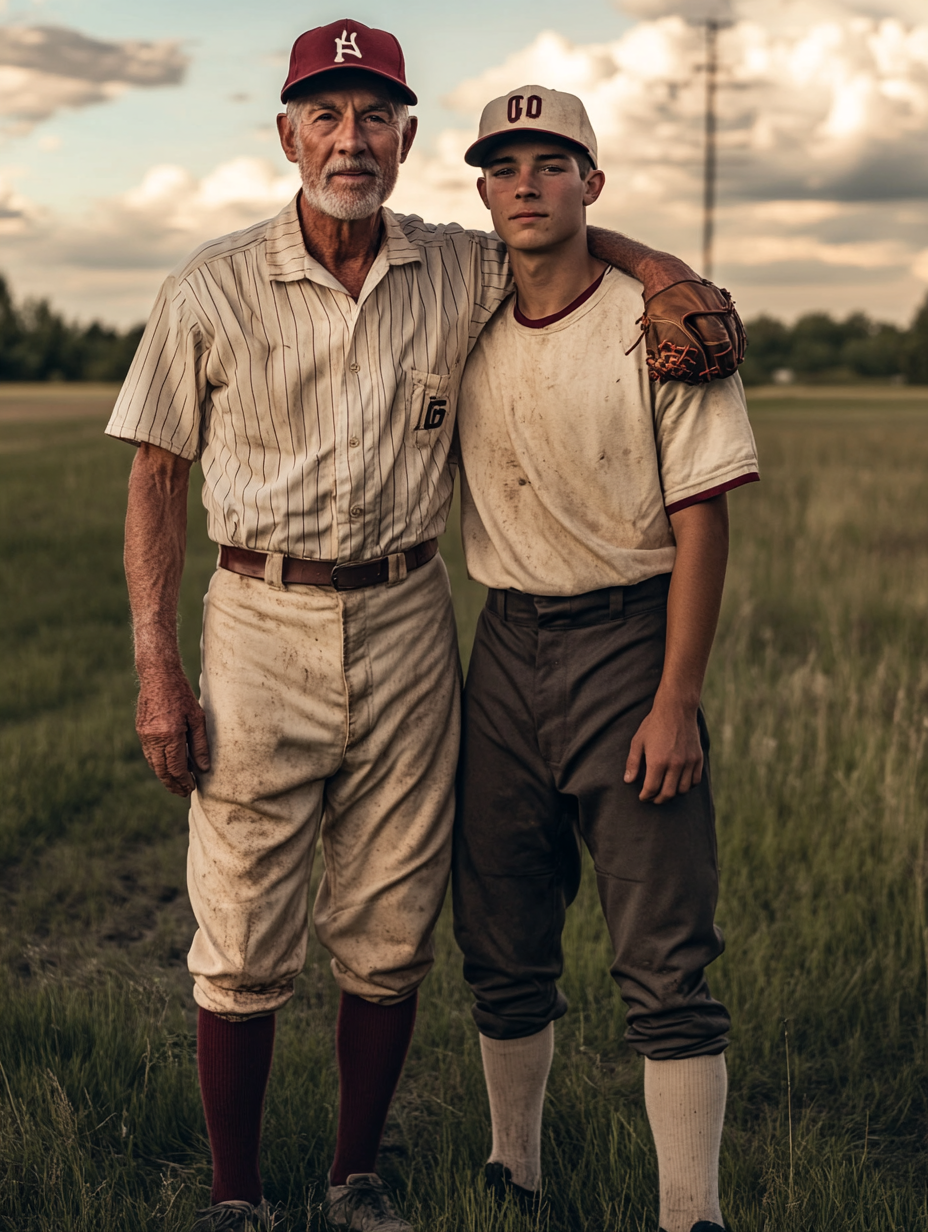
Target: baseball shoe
<point>500,1184</point>
<point>705,1225</point>
<point>235,1217</point>
<point>363,1205</point>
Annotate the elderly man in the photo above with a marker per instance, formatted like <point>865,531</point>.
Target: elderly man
<point>311,363</point>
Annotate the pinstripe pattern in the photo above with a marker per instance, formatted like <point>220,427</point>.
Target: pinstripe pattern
<point>306,408</point>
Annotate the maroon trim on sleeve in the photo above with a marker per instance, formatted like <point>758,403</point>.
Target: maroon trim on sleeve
<point>753,477</point>
<point>541,322</point>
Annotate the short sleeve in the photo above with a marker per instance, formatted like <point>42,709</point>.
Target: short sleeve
<point>704,440</point>
<point>162,398</point>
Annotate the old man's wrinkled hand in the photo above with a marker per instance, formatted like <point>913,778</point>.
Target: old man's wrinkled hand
<point>172,729</point>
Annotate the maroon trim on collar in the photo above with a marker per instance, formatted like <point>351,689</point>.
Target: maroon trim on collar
<point>558,316</point>
<point>752,477</point>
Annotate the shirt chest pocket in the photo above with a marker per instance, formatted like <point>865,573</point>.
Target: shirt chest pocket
<point>430,406</point>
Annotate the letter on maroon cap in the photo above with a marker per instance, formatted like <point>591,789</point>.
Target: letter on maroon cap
<point>347,44</point>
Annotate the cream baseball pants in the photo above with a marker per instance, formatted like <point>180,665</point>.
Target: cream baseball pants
<point>335,715</point>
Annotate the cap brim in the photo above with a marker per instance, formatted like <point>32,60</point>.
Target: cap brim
<point>475,155</point>
<point>404,90</point>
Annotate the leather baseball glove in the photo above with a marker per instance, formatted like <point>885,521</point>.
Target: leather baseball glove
<point>693,333</point>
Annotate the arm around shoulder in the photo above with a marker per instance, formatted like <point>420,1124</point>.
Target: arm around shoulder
<point>692,330</point>
<point>655,270</point>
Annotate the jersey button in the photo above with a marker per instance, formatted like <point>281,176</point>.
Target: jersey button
<point>355,367</point>
<point>353,440</point>
<point>355,511</point>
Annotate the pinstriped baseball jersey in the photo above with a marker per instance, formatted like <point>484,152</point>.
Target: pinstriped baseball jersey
<point>323,425</point>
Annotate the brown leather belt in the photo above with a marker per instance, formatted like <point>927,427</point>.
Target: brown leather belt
<point>353,575</point>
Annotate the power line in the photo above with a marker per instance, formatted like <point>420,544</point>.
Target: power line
<point>710,161</point>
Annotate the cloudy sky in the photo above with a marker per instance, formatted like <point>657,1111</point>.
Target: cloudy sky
<point>130,132</point>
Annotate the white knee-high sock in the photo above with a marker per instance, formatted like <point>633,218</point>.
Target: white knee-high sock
<point>516,1073</point>
<point>686,1107</point>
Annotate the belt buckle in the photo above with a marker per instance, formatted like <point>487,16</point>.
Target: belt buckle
<point>342,574</point>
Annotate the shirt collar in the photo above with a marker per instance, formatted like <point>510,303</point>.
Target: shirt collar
<point>288,260</point>
<point>399,248</point>
<point>284,248</point>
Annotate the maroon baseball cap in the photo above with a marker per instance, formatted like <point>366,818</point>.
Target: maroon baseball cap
<point>346,44</point>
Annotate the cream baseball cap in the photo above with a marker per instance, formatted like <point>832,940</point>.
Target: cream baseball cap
<point>533,109</point>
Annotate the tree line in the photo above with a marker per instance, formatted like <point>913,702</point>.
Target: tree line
<point>817,348</point>
<point>39,344</point>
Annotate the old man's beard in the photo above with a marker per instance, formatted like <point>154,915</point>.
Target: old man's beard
<point>342,199</point>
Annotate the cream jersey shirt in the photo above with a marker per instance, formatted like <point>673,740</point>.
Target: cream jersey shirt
<point>572,457</point>
<point>323,424</point>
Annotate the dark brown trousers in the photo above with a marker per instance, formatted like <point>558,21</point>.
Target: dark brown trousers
<point>555,691</point>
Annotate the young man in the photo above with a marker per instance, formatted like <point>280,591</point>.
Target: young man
<point>594,509</point>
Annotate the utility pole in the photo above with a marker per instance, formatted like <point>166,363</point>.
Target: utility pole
<point>709,166</point>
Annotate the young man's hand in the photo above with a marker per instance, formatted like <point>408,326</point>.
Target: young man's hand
<point>668,747</point>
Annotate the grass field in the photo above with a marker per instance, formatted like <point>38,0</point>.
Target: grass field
<point>817,699</point>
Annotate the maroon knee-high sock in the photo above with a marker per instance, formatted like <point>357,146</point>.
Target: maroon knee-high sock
<point>371,1043</point>
<point>234,1061</point>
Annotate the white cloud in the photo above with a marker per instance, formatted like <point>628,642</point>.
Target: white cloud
<point>27,95</point>
<point>860,254</point>
<point>159,220</point>
<point>551,59</point>
<point>18,215</point>
<point>440,186</point>
<point>45,69</point>
<point>920,265</point>
<point>797,213</point>
<point>823,130</point>
<point>690,10</point>
<point>774,14</point>
<point>813,110</point>
<point>823,172</point>
<point>68,53</point>
<point>109,263</point>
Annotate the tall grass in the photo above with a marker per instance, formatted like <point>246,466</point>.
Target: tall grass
<point>818,705</point>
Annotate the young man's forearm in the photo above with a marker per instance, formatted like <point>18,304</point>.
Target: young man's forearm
<point>667,743</point>
<point>696,585</point>
<point>654,269</point>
